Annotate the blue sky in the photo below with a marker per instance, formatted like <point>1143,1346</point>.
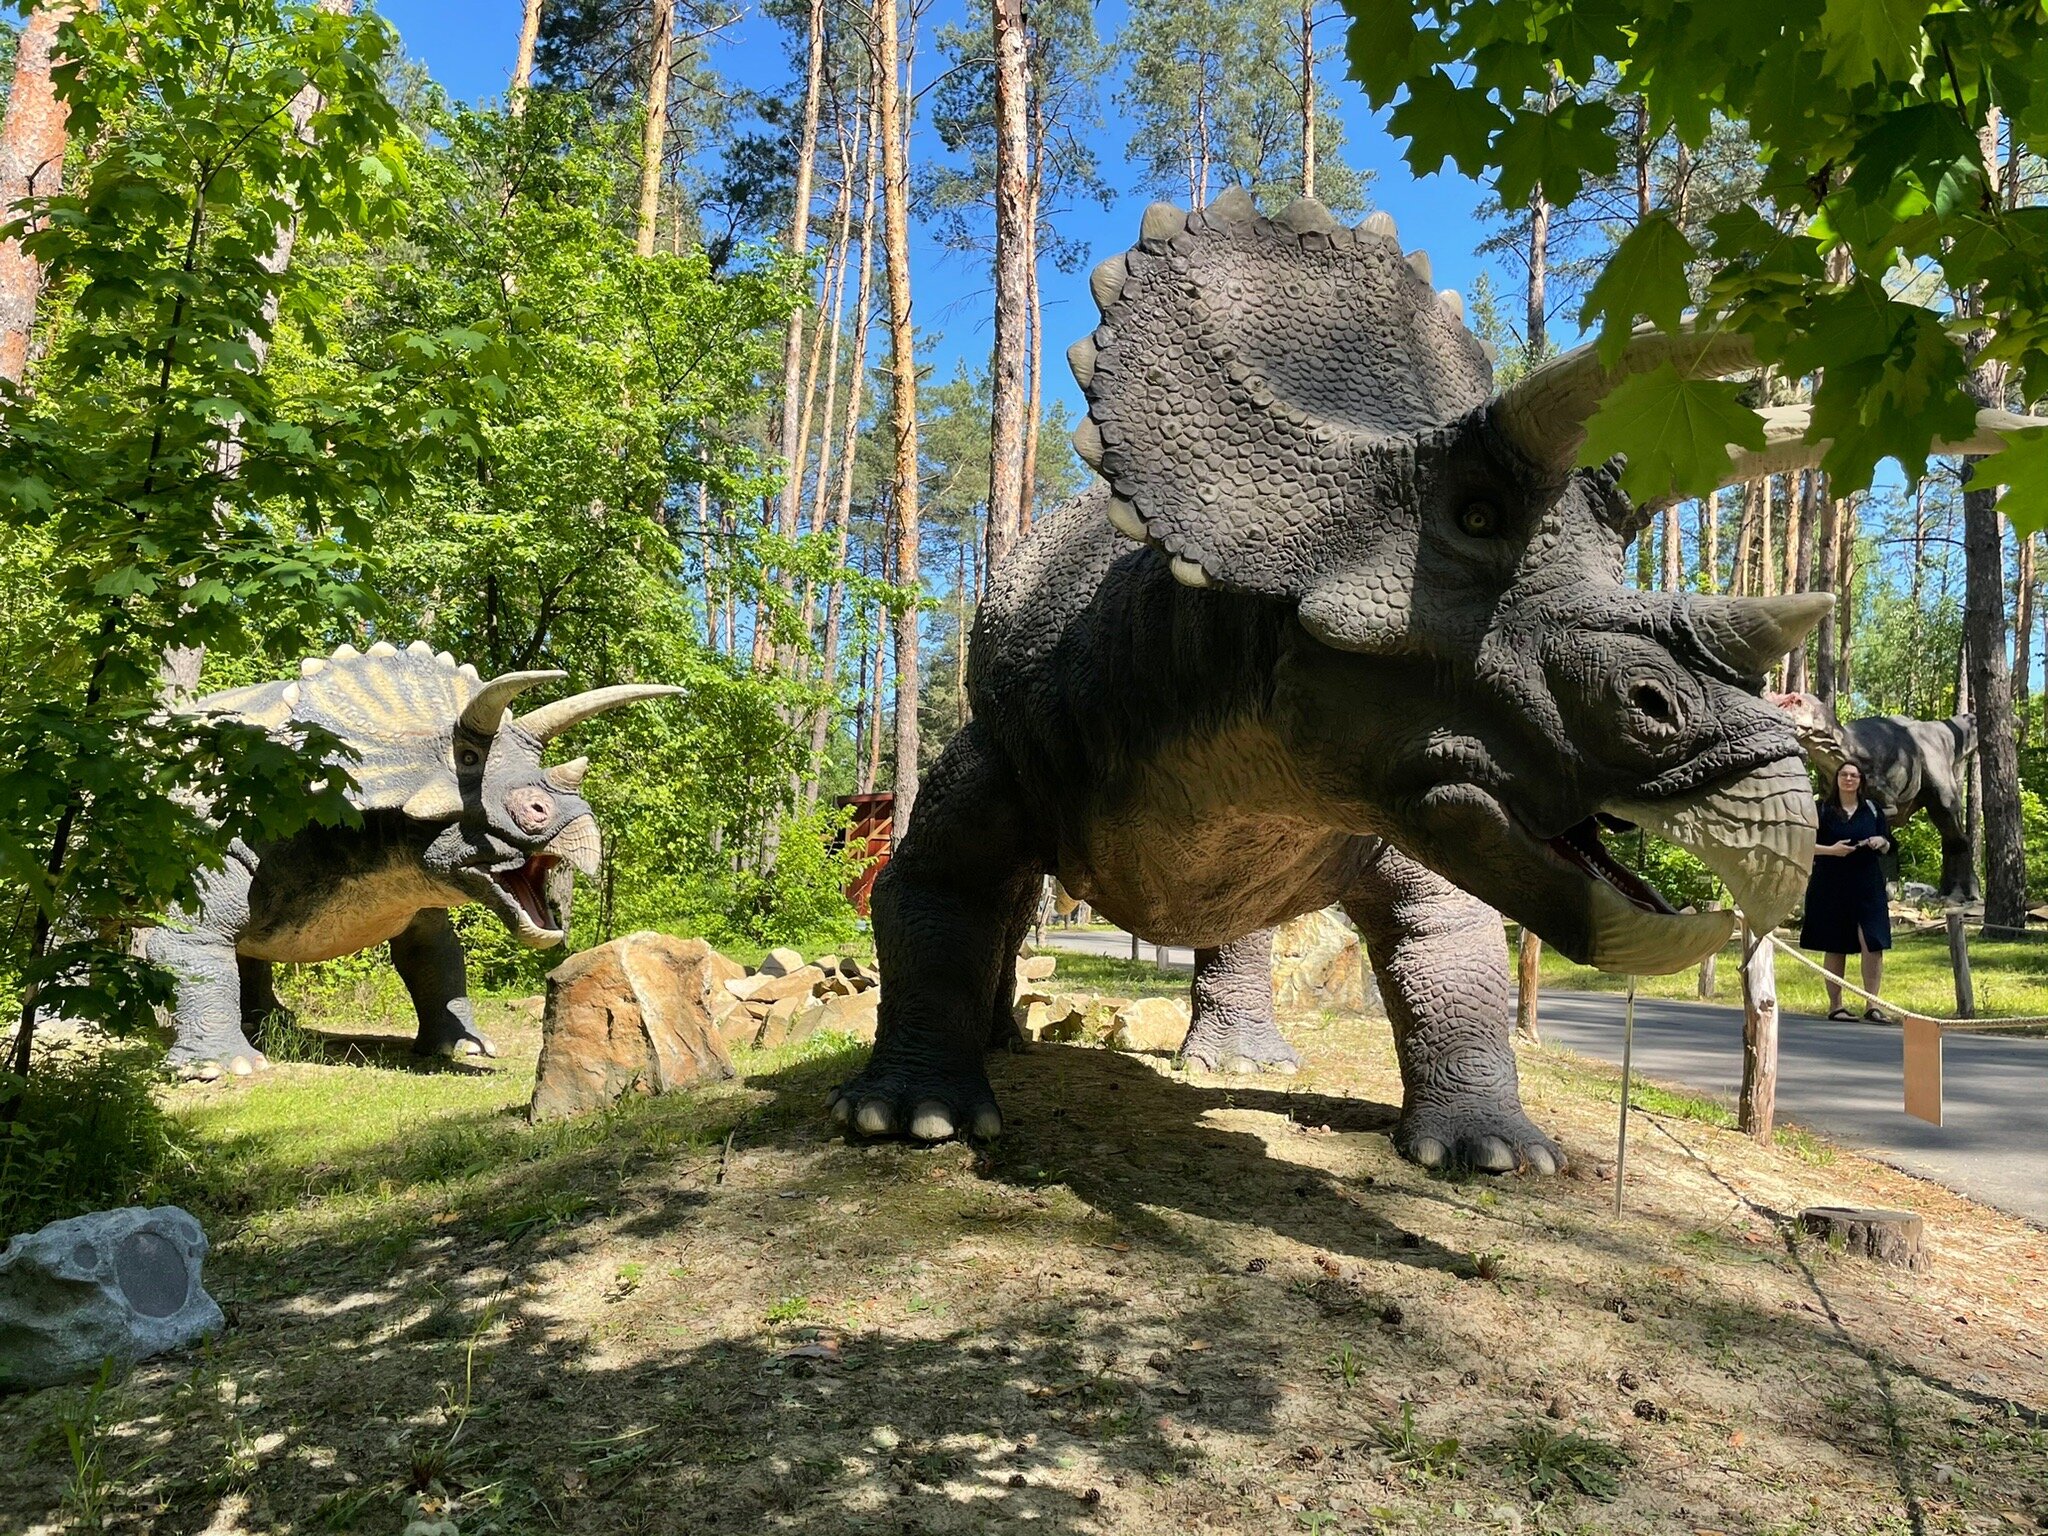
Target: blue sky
<point>468,46</point>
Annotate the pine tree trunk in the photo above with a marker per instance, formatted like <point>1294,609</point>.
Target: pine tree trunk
<point>1012,297</point>
<point>1845,599</point>
<point>1536,310</point>
<point>2023,640</point>
<point>654,131</point>
<point>791,439</point>
<point>835,599</point>
<point>1308,98</point>
<point>1991,693</point>
<point>1801,580</point>
<point>1710,542</point>
<point>903,485</point>
<point>1827,557</point>
<point>522,64</point>
<point>1674,551</point>
<point>32,144</point>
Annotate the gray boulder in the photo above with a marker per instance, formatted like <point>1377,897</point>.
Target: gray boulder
<point>114,1283</point>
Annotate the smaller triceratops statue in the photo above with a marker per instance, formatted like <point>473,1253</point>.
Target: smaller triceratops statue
<point>456,808</point>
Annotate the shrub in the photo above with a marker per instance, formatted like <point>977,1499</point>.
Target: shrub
<point>88,1134</point>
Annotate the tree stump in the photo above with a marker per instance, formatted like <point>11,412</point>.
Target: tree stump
<point>1888,1237</point>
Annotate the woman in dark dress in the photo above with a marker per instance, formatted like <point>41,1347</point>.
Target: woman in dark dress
<point>1845,902</point>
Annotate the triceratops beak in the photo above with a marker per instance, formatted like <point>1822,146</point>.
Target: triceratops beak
<point>553,719</point>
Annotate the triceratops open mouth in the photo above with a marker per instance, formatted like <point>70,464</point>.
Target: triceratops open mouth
<point>1754,831</point>
<point>1582,849</point>
<point>532,891</point>
<point>528,886</point>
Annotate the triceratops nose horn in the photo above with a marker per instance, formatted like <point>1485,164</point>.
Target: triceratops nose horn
<point>553,719</point>
<point>1752,634</point>
<point>486,707</point>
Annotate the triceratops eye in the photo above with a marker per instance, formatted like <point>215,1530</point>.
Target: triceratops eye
<point>469,757</point>
<point>1481,519</point>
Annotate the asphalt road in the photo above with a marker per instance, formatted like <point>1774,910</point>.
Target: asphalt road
<point>1841,1079</point>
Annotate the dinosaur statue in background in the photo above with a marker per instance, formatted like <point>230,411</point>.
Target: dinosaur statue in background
<point>456,808</point>
<point>1909,765</point>
<point>1371,646</point>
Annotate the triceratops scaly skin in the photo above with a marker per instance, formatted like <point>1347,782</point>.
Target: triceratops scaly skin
<point>1373,648</point>
<point>456,807</point>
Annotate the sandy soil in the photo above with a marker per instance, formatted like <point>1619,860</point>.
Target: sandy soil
<point>1163,1303</point>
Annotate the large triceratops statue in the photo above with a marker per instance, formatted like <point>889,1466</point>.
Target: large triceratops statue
<point>456,807</point>
<point>1341,626</point>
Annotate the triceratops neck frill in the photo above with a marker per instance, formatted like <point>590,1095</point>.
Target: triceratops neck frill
<point>1242,366</point>
<point>395,709</point>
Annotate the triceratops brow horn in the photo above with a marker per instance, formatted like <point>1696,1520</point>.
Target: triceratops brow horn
<point>1787,448</point>
<point>486,708</point>
<point>1752,634</point>
<point>553,719</point>
<point>1545,414</point>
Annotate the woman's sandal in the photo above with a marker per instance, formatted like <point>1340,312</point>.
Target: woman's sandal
<point>1841,1016</point>
<point>1872,1016</point>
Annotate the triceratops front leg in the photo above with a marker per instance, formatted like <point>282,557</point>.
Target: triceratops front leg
<point>1233,1028</point>
<point>428,958</point>
<point>948,911</point>
<point>1441,957</point>
<point>199,952</point>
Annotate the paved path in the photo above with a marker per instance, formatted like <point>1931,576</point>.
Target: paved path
<point>1843,1079</point>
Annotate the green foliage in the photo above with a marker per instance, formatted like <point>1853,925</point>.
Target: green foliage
<point>1867,118</point>
<point>1418,1458</point>
<point>1683,879</point>
<point>1548,1463</point>
<point>1674,429</point>
<point>174,493</point>
<point>88,1134</point>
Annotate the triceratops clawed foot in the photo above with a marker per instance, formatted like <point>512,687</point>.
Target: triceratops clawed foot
<point>1233,1043</point>
<point>919,1100</point>
<point>223,1052</point>
<point>1475,1134</point>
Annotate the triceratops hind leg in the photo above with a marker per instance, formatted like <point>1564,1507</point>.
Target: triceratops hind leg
<point>1234,1029</point>
<point>428,958</point>
<point>1441,956</point>
<point>949,911</point>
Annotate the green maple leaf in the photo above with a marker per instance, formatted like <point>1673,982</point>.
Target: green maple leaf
<point>1674,430</point>
<point>1645,276</point>
<point>2021,466</point>
<point>1930,146</point>
<point>1440,119</point>
<point>1385,49</point>
<point>1554,150</point>
<point>1862,37</point>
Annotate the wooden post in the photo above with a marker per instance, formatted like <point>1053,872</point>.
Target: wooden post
<point>1159,956</point>
<point>1710,982</point>
<point>1759,1106</point>
<point>1134,947</point>
<point>1959,959</point>
<point>1528,961</point>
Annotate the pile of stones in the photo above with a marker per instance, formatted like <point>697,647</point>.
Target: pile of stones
<point>789,998</point>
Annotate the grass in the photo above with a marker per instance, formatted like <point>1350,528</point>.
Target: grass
<point>1548,1463</point>
<point>1114,977</point>
<point>2011,977</point>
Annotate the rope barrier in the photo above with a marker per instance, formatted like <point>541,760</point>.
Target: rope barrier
<point>2031,1021</point>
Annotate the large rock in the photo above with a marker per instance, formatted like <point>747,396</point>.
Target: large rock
<point>1318,964</point>
<point>631,1016</point>
<point>116,1283</point>
<point>781,962</point>
<point>1037,967</point>
<point>1149,1024</point>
